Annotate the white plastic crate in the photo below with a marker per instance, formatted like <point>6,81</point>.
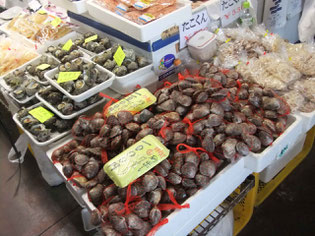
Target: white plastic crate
<point>92,91</point>
<point>308,120</point>
<point>285,156</point>
<point>259,161</point>
<point>75,191</point>
<point>182,222</point>
<point>77,7</point>
<point>145,32</point>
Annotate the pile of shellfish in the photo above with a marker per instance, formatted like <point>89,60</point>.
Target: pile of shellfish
<point>43,131</point>
<point>90,76</point>
<point>205,122</point>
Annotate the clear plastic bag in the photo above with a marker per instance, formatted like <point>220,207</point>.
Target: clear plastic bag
<point>295,100</point>
<point>37,27</point>
<point>302,57</point>
<point>13,54</point>
<point>307,88</point>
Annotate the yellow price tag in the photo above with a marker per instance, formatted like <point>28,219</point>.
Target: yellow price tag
<point>67,45</point>
<point>228,40</point>
<point>43,66</point>
<point>216,31</point>
<point>55,22</point>
<point>42,12</point>
<point>92,38</point>
<point>119,56</point>
<point>68,76</point>
<point>290,58</point>
<point>136,160</point>
<point>134,103</point>
<point>41,114</point>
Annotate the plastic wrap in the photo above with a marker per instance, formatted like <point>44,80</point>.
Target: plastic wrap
<point>302,57</point>
<point>13,55</point>
<point>140,12</point>
<point>272,42</point>
<point>37,27</point>
<point>307,88</point>
<point>270,71</point>
<point>308,107</point>
<point>295,100</point>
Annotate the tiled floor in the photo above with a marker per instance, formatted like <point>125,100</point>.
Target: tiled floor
<point>39,209</point>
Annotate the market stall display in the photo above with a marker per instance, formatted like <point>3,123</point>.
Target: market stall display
<point>153,158</point>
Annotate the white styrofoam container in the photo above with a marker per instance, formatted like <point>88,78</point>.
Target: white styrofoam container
<point>308,120</point>
<point>282,160</point>
<point>3,83</point>
<point>86,219</point>
<point>127,84</point>
<point>75,191</point>
<point>145,32</point>
<point>54,136</point>
<point>182,222</point>
<point>25,100</point>
<point>77,7</point>
<point>256,162</point>
<point>92,91</point>
<point>71,116</point>
<point>202,46</point>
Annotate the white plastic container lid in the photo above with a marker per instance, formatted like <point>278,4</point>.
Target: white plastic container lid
<point>201,39</point>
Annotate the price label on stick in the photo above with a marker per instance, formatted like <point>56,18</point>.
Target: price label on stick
<point>68,76</point>
<point>119,56</point>
<point>67,45</point>
<point>43,66</point>
<point>92,38</point>
<point>41,114</point>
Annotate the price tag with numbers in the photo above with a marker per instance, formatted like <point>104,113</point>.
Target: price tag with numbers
<point>230,11</point>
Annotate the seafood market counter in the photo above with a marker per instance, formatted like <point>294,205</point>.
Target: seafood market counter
<point>141,154</point>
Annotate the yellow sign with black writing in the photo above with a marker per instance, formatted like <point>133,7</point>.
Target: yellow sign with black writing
<point>136,160</point>
<point>134,103</point>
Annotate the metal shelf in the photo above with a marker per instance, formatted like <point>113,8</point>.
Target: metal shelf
<point>224,208</point>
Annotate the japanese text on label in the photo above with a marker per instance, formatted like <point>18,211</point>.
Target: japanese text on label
<point>199,21</point>
<point>230,11</point>
<point>41,114</point>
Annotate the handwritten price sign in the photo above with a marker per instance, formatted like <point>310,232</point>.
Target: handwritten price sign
<point>187,29</point>
<point>230,11</point>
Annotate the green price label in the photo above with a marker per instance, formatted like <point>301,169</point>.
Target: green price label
<point>43,66</point>
<point>68,76</point>
<point>119,56</point>
<point>56,22</point>
<point>92,38</point>
<point>41,114</point>
<point>67,45</point>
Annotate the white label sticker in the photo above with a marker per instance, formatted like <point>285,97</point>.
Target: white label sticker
<point>199,21</point>
<point>230,11</point>
<point>122,7</point>
<point>34,5</point>
<point>275,14</point>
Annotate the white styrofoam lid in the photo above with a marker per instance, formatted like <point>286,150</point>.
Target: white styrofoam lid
<point>201,39</point>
